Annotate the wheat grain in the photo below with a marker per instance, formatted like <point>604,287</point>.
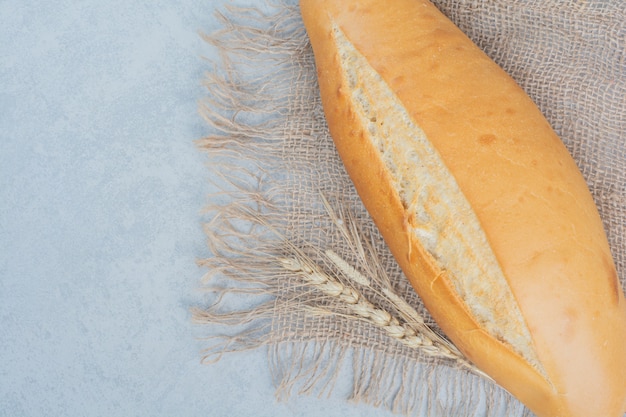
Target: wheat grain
<point>350,271</point>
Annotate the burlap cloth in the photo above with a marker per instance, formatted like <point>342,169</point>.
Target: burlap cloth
<point>270,154</point>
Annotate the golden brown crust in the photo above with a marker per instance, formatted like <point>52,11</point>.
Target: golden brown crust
<point>524,187</point>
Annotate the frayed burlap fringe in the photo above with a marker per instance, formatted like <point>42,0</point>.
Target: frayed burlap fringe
<point>296,265</point>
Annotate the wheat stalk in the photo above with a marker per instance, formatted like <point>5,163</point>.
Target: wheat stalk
<point>405,325</point>
<point>413,333</point>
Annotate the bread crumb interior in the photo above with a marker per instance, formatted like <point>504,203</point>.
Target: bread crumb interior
<point>439,214</point>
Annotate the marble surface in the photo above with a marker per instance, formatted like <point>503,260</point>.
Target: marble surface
<point>101,190</point>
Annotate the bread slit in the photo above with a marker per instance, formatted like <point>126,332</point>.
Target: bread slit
<point>438,213</point>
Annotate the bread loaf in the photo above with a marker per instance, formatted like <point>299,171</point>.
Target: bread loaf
<point>478,200</point>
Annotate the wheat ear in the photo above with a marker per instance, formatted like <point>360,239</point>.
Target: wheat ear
<point>416,337</point>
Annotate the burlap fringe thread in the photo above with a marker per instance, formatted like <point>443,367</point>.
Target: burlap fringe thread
<point>286,199</point>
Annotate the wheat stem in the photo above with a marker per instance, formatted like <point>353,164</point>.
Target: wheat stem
<point>415,335</point>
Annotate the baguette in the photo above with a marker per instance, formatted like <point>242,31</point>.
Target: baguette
<point>478,200</point>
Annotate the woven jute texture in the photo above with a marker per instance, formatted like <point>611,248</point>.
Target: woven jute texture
<point>287,210</point>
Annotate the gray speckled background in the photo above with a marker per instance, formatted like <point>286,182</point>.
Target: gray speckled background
<point>101,189</point>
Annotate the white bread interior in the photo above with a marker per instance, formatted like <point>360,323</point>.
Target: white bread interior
<point>440,217</point>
